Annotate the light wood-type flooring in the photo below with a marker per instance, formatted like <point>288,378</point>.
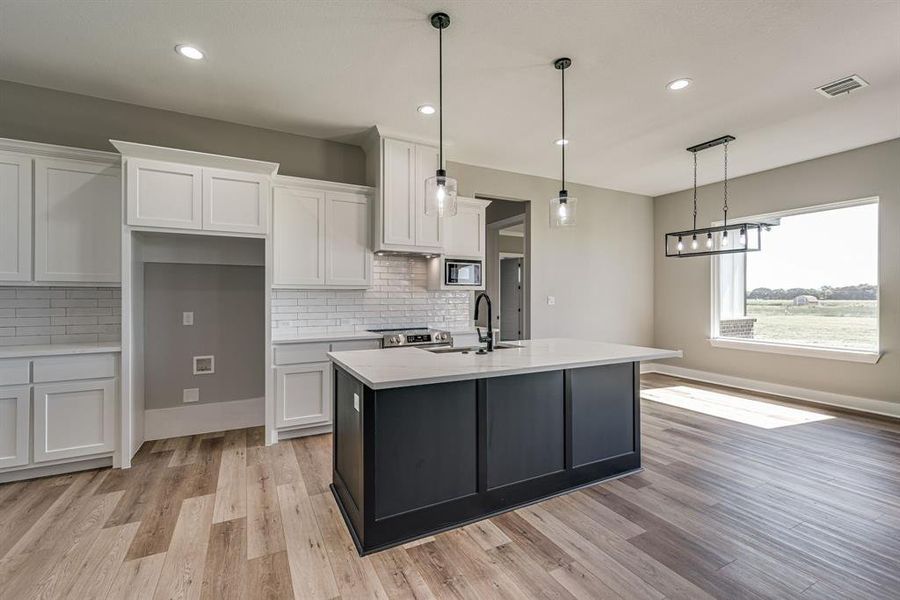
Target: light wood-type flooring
<point>741,497</point>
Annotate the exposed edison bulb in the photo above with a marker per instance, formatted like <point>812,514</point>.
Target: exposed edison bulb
<point>680,245</point>
<point>563,211</point>
<point>709,240</point>
<point>724,239</point>
<point>694,242</point>
<point>441,197</point>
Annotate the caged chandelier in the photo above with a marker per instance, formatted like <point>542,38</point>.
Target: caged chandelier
<point>728,238</point>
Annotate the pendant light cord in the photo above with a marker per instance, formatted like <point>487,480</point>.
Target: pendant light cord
<point>725,208</point>
<point>695,190</point>
<point>441,96</point>
<point>564,142</point>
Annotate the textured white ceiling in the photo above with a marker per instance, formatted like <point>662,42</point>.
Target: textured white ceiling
<point>333,69</point>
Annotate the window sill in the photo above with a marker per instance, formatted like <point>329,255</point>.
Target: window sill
<point>859,356</point>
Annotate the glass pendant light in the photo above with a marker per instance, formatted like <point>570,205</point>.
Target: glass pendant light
<point>440,190</point>
<point>562,207</point>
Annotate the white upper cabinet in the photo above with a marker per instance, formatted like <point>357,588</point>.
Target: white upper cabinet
<point>320,237</point>
<point>15,217</point>
<point>399,169</point>
<point>162,194</point>
<point>298,237</point>
<point>347,257</point>
<point>399,193</point>
<point>464,234</point>
<point>181,189</point>
<point>235,201</point>
<point>428,227</point>
<point>77,221</point>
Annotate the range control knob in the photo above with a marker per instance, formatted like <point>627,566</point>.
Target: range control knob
<point>395,339</point>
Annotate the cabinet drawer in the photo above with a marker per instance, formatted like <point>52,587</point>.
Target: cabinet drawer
<point>356,345</point>
<point>69,368</point>
<point>292,354</point>
<point>14,372</point>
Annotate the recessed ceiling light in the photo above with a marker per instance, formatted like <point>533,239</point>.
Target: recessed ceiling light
<point>426,109</point>
<point>678,84</point>
<point>188,51</point>
<point>561,142</point>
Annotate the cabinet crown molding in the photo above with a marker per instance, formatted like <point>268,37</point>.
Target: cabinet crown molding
<point>319,184</point>
<point>190,157</point>
<point>41,150</point>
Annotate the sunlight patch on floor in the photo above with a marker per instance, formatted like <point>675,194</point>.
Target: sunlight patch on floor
<point>732,407</point>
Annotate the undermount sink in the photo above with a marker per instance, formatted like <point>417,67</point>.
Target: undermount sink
<point>470,349</point>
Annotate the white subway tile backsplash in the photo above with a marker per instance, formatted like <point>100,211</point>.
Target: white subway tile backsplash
<point>398,298</point>
<point>59,315</point>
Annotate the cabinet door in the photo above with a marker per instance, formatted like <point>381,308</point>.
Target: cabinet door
<point>14,421</point>
<point>75,418</point>
<point>77,221</point>
<point>234,201</point>
<point>464,233</point>
<point>303,395</point>
<point>347,255</point>
<point>399,192</point>
<point>161,194</point>
<point>428,227</point>
<point>15,217</point>
<point>298,237</point>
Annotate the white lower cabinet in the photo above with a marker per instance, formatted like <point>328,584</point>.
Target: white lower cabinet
<point>14,421</point>
<point>303,394</point>
<point>74,418</point>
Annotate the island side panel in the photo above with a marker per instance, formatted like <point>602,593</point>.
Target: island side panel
<point>603,422</point>
<point>425,446</point>
<point>525,427</point>
<point>347,446</point>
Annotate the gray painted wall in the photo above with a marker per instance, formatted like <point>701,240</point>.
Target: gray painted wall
<point>609,253</point>
<point>228,303</point>
<point>682,286</point>
<point>53,117</point>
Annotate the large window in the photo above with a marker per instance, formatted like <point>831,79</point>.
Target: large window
<point>814,284</point>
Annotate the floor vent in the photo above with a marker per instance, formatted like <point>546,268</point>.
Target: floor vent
<point>842,86</point>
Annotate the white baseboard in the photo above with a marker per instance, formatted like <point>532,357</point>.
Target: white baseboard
<point>287,434</point>
<point>867,405</point>
<point>162,423</point>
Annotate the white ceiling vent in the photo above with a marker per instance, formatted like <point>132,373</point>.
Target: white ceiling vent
<point>842,86</point>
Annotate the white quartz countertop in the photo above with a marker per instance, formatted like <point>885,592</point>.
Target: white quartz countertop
<point>59,349</point>
<point>329,337</point>
<point>401,367</point>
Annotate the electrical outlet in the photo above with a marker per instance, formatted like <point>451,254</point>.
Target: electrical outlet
<point>551,300</point>
<point>356,402</point>
<point>190,395</point>
<point>187,318</point>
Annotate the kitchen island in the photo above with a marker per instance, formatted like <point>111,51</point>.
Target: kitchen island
<point>425,441</point>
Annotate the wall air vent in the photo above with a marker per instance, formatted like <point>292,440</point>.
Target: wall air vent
<point>842,86</point>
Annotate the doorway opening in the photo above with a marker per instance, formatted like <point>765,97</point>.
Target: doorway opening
<point>506,267</point>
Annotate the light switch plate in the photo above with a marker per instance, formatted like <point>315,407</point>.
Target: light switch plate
<point>190,395</point>
<point>356,402</point>
<point>187,318</point>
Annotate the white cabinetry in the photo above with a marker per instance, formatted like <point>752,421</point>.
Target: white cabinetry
<point>464,234</point>
<point>77,221</point>
<point>320,237</point>
<point>303,383</point>
<point>234,201</point>
<point>14,422</point>
<point>15,217</point>
<point>303,395</point>
<point>74,419</point>
<point>348,260</point>
<point>399,169</point>
<point>298,237</point>
<point>180,189</point>
<point>163,194</point>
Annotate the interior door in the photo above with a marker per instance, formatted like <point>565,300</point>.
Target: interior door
<point>511,299</point>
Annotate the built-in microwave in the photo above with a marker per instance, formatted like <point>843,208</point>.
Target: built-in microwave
<point>463,273</point>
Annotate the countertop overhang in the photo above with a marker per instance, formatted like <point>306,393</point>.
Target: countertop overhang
<point>403,367</point>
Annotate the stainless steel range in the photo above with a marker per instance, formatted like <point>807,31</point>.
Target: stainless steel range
<point>414,336</point>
